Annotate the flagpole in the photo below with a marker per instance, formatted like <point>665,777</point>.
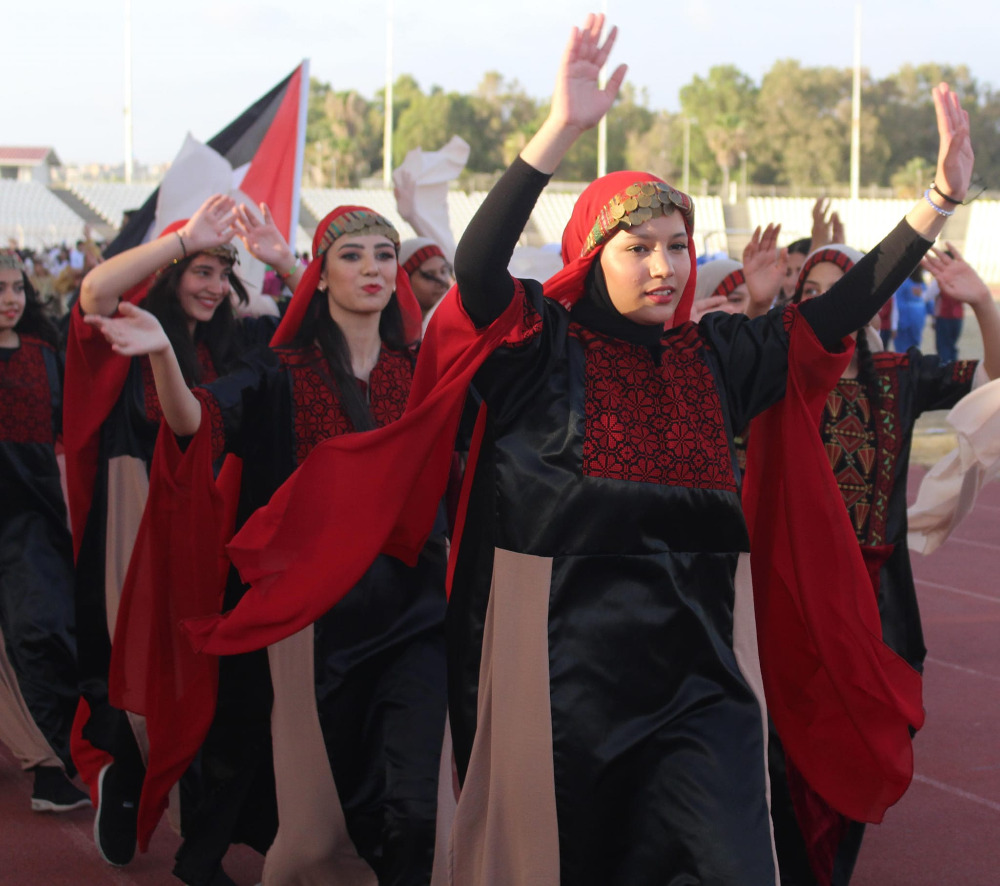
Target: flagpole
<point>856,108</point>
<point>128,92</point>
<point>387,135</point>
<point>602,126</point>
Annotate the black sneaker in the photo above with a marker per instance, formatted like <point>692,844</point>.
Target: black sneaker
<point>54,792</point>
<point>115,822</point>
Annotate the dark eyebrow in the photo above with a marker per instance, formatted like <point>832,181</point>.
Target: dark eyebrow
<point>383,244</point>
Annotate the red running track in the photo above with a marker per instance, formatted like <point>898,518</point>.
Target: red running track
<point>945,830</point>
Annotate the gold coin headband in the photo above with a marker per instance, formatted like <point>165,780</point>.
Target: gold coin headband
<point>354,222</point>
<point>11,261</point>
<point>638,203</point>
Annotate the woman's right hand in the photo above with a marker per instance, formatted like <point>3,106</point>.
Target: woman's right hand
<point>213,224</point>
<point>579,101</point>
<point>133,333</point>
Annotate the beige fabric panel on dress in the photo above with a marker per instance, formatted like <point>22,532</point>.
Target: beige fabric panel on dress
<point>506,832</point>
<point>447,802</point>
<point>128,489</point>
<point>312,846</point>
<point>748,659</point>
<point>18,730</point>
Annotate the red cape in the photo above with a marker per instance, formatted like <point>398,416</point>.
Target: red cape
<point>841,700</point>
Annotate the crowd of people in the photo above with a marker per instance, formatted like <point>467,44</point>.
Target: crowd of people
<point>434,574</point>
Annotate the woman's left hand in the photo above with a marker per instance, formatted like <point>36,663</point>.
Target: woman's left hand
<point>263,239</point>
<point>955,276</point>
<point>955,156</point>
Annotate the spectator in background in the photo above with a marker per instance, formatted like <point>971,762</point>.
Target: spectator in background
<point>948,317</point>
<point>912,312</point>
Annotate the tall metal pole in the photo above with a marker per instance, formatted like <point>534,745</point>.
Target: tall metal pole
<point>387,135</point>
<point>686,175</point>
<point>128,92</point>
<point>856,108</point>
<point>602,126</point>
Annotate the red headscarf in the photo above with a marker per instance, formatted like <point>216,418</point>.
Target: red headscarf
<point>341,221</point>
<point>612,203</point>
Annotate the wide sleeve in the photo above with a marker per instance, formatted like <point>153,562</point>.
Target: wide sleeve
<point>939,385</point>
<point>751,358</point>
<point>235,404</point>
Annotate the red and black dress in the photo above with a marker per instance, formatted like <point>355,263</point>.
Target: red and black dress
<point>38,654</point>
<point>604,725</point>
<point>868,443</point>
<point>377,694</point>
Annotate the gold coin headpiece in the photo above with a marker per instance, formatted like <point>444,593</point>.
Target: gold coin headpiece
<point>638,203</point>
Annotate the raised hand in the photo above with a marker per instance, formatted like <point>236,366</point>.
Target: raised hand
<point>955,156</point>
<point>578,100</point>
<point>764,267</point>
<point>263,239</point>
<point>826,227</point>
<point>211,225</point>
<point>955,276</point>
<point>702,306</point>
<point>133,333</point>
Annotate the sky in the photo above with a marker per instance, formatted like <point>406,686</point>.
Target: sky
<point>198,63</point>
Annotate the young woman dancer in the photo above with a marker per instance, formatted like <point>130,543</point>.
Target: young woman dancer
<point>187,278</point>
<point>359,695</point>
<point>867,429</point>
<point>39,686</point>
<point>593,596</point>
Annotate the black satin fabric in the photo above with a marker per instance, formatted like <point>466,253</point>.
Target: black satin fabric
<point>657,740</point>
<point>37,624</point>
<point>379,658</point>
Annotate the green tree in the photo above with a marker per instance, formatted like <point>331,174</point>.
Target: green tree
<point>723,107</point>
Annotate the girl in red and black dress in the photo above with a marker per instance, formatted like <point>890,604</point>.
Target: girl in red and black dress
<point>187,278</point>
<point>867,428</point>
<point>38,688</point>
<point>360,694</point>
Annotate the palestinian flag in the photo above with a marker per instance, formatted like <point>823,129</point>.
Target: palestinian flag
<point>268,139</point>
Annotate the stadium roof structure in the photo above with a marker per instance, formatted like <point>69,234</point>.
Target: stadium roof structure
<point>28,156</point>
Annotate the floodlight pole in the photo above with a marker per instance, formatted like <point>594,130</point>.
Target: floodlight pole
<point>387,134</point>
<point>856,108</point>
<point>128,92</point>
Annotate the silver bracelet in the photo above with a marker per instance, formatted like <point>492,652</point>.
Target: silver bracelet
<point>944,213</point>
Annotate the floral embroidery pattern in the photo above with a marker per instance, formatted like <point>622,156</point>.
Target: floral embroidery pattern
<point>318,411</point>
<point>26,416</point>
<point>154,412</point>
<point>652,422</point>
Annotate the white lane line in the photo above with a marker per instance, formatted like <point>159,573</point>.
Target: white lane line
<point>940,587</point>
<point>958,792</point>
<point>974,544</point>
<point>963,669</point>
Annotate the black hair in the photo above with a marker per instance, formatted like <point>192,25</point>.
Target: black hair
<point>867,374</point>
<point>800,247</point>
<point>221,334</point>
<point>318,326</point>
<point>34,321</point>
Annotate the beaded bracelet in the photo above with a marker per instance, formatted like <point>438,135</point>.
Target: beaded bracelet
<point>944,213</point>
<point>184,252</point>
<point>946,197</point>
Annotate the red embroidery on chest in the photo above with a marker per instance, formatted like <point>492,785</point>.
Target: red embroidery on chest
<point>653,423</point>
<point>25,396</point>
<point>154,412</point>
<point>318,411</point>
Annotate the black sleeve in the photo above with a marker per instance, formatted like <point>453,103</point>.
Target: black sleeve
<point>857,296</point>
<point>239,398</point>
<point>484,284</point>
